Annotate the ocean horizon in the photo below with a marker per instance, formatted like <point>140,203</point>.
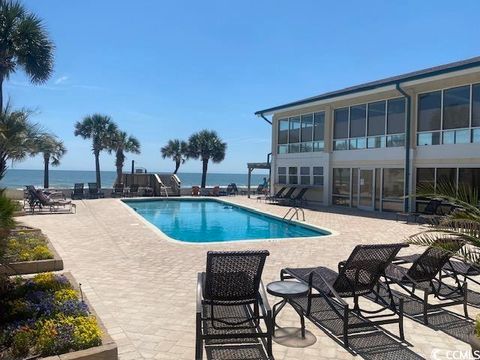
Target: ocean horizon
<point>18,178</point>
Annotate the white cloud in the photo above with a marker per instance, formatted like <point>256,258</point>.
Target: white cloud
<point>61,79</point>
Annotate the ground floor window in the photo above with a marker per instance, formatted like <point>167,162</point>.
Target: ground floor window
<point>293,175</point>
<point>282,175</point>
<point>305,175</point>
<point>432,178</point>
<point>318,175</point>
<point>369,188</point>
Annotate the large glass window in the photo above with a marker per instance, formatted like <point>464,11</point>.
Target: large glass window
<point>393,187</point>
<point>426,178</point>
<point>396,116</point>
<point>318,131</point>
<point>283,131</point>
<point>282,175</point>
<point>340,127</point>
<point>446,177</point>
<point>305,175</point>
<point>358,121</point>
<point>456,106</point>
<point>469,178</point>
<point>293,175</point>
<point>294,134</point>
<point>376,118</point>
<point>476,105</point>
<point>429,111</point>
<point>307,128</point>
<point>341,187</point>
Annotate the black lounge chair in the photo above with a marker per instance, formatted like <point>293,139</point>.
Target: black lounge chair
<point>422,274</point>
<point>295,200</point>
<point>231,302</point>
<point>287,195</point>
<point>40,200</point>
<point>77,192</point>
<point>94,192</point>
<point>118,190</point>
<point>277,195</point>
<point>133,190</point>
<point>358,276</point>
<point>430,210</point>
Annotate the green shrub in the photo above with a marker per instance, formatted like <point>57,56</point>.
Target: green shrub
<point>21,342</point>
<point>27,247</point>
<point>50,282</point>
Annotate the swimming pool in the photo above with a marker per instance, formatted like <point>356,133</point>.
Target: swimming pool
<point>210,220</point>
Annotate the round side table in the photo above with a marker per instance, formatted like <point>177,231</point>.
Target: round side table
<point>287,290</point>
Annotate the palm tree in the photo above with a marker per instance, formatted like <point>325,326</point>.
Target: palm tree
<point>24,43</point>
<point>462,223</point>
<point>52,150</point>
<point>101,129</point>
<point>18,136</point>
<point>177,150</point>
<point>206,145</point>
<point>122,143</point>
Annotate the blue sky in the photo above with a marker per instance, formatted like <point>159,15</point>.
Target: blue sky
<point>165,69</point>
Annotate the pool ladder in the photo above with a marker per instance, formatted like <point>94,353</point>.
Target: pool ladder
<point>293,211</point>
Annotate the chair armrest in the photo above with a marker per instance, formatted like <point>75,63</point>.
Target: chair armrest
<point>199,292</point>
<point>332,290</point>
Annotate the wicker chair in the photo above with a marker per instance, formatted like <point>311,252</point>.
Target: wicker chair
<point>231,302</point>
<point>357,276</point>
<point>422,274</point>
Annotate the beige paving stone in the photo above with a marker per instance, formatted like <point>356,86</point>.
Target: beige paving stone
<point>143,285</point>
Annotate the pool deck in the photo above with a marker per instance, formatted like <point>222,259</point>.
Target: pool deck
<point>143,285</point>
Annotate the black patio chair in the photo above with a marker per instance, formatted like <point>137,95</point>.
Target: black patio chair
<point>118,190</point>
<point>358,276</point>
<point>93,191</point>
<point>425,274</point>
<point>295,200</point>
<point>430,210</point>
<point>278,194</point>
<point>77,192</point>
<point>231,301</point>
<point>287,195</point>
<point>40,200</point>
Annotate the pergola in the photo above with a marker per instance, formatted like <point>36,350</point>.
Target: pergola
<point>253,166</point>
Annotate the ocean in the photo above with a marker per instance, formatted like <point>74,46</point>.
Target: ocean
<point>17,179</point>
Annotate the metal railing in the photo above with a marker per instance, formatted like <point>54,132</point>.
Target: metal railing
<point>294,211</point>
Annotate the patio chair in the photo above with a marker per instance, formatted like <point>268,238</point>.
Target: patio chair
<point>93,191</point>
<point>118,190</point>
<point>77,192</point>
<point>277,195</point>
<point>231,301</point>
<point>133,190</point>
<point>195,190</point>
<point>294,200</point>
<point>422,274</point>
<point>430,209</point>
<point>287,195</point>
<point>41,200</point>
<point>357,276</point>
<point>216,191</point>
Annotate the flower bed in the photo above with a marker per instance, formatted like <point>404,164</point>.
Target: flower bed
<point>28,251</point>
<point>47,316</point>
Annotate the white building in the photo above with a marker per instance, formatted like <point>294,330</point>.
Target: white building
<point>369,145</point>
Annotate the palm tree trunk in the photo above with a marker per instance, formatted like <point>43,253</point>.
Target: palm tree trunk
<point>46,162</point>
<point>3,166</point>
<point>97,168</point>
<point>177,166</point>
<point>204,172</point>
<point>119,159</point>
<point>1,93</point>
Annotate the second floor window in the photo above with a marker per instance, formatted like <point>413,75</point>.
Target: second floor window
<point>303,133</point>
<point>449,116</point>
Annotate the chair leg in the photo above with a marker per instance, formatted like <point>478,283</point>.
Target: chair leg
<point>400,320</point>
<point>425,307</point>
<point>465,299</point>
<point>270,327</point>
<point>345,326</point>
<point>198,339</point>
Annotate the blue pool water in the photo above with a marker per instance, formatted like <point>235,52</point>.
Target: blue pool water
<point>200,221</point>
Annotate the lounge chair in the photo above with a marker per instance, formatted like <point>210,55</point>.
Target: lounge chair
<point>118,190</point>
<point>216,191</point>
<point>41,200</point>
<point>422,274</point>
<point>277,195</point>
<point>195,190</point>
<point>281,198</point>
<point>77,192</point>
<point>133,190</point>
<point>231,302</point>
<point>94,192</point>
<point>430,209</point>
<point>294,200</point>
<point>232,189</point>
<point>358,276</point>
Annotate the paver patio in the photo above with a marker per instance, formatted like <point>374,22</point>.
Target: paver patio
<point>143,285</point>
